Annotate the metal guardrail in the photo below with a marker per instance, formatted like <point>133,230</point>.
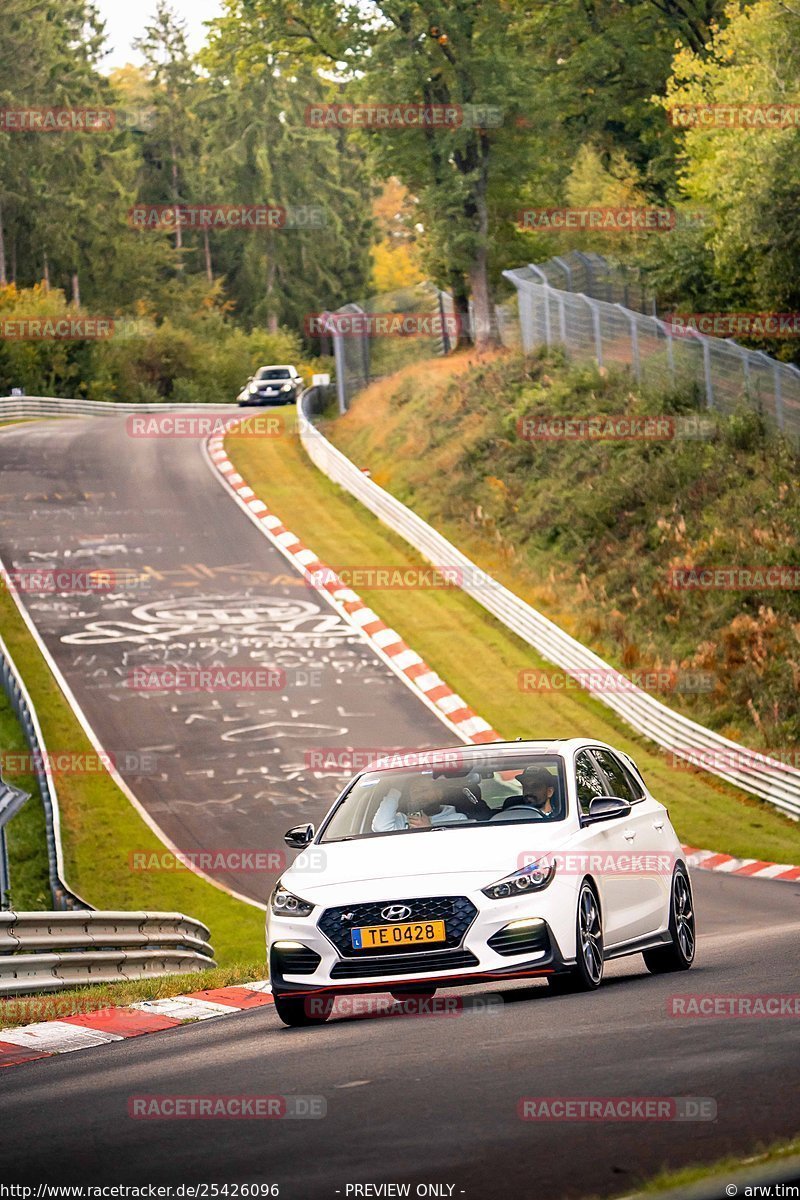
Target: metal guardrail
<point>13,686</point>
<point>47,951</point>
<point>749,770</point>
<point>14,407</point>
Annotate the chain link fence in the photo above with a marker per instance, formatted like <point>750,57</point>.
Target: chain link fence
<point>722,373</point>
<point>594,275</point>
<point>387,332</point>
<point>597,310</point>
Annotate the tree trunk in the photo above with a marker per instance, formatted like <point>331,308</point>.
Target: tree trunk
<point>3,277</point>
<point>13,259</point>
<point>484,325</point>
<point>46,275</point>
<point>272,318</point>
<point>460,293</point>
<point>484,329</point>
<point>207,255</point>
<point>76,290</point>
<point>178,227</point>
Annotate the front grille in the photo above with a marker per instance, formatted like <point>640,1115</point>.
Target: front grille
<point>457,912</point>
<point>408,964</point>
<point>520,941</point>
<point>294,960</point>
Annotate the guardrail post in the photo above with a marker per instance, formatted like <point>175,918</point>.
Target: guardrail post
<point>5,880</point>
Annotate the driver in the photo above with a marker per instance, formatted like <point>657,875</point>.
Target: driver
<point>422,795</point>
<point>538,791</point>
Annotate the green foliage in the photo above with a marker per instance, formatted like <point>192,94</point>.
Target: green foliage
<point>746,254</point>
<point>197,356</point>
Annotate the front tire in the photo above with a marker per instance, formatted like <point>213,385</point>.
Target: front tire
<point>587,974</point>
<point>299,1011</point>
<point>679,954</point>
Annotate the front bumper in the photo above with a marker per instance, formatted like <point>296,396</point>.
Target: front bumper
<point>311,955</point>
<point>261,398</point>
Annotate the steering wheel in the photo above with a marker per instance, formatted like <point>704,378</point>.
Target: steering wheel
<point>527,808</point>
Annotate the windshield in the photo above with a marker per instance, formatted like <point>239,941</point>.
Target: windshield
<point>273,373</point>
<point>491,790</point>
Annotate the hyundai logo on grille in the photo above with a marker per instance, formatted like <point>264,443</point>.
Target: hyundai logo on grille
<point>395,912</point>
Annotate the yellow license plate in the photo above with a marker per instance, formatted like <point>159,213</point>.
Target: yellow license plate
<point>404,933</point>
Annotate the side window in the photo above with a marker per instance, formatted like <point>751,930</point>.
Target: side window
<point>621,781</point>
<point>588,781</point>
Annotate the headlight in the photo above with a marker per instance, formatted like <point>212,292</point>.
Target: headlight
<point>287,387</point>
<point>286,904</point>
<point>253,388</point>
<point>532,878</point>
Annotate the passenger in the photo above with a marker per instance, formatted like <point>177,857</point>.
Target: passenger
<point>422,796</point>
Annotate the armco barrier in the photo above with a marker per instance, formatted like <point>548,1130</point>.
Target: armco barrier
<point>757,774</point>
<point>47,951</point>
<point>13,686</point>
<point>19,407</point>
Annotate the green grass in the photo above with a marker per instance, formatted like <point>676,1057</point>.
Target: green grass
<point>100,827</point>
<point>53,1006</point>
<point>588,531</point>
<point>724,1169</point>
<point>26,833</point>
<point>481,659</point>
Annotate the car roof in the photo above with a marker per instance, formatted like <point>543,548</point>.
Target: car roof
<point>560,746</point>
<point>277,367</point>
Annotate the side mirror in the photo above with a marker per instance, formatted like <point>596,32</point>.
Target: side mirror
<point>299,837</point>
<point>606,808</point>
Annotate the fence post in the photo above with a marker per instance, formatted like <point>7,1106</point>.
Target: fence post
<point>566,268</point>
<point>547,333</point>
<point>745,361</point>
<point>670,348</point>
<point>776,377</point>
<point>598,337</point>
<point>707,373</point>
<point>341,369</point>
<point>635,357</point>
<point>562,318</point>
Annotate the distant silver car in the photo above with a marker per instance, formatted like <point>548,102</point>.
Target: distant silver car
<point>271,385</point>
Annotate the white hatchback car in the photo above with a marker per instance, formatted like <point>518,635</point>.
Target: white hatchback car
<point>479,863</point>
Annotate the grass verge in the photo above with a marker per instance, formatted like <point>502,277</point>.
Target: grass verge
<point>100,828</point>
<point>600,534</point>
<point>722,1170</point>
<point>54,1006</point>
<point>481,659</point>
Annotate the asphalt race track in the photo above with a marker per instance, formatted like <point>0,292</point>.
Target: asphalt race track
<point>408,1099</point>
<point>434,1099</point>
<point>224,770</point>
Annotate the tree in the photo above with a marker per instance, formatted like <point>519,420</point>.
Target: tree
<point>747,179</point>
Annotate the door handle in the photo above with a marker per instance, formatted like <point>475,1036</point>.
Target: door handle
<point>629,834</point>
